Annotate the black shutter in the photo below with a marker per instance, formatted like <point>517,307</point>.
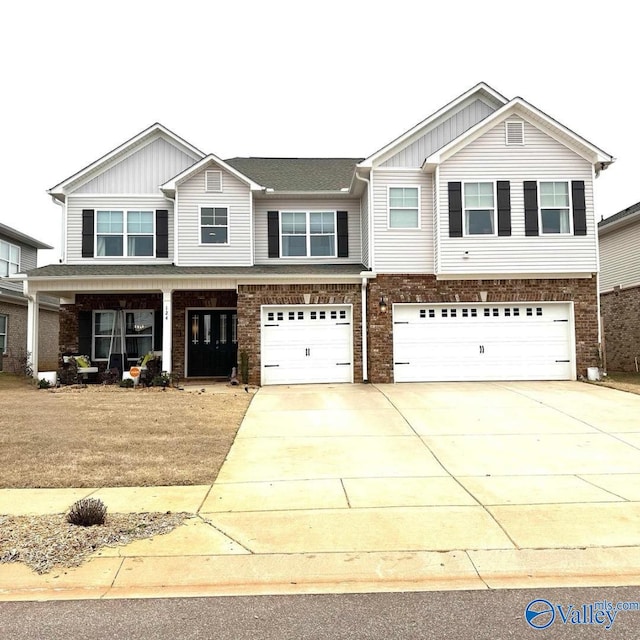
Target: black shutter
<point>162,233</point>
<point>455,210</point>
<point>84,333</point>
<point>530,208</point>
<point>579,208</point>
<point>504,208</point>
<point>273,234</point>
<point>157,330</point>
<point>87,233</point>
<point>343,234</point>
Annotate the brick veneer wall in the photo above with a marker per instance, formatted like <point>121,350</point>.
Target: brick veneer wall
<point>621,327</point>
<point>426,289</point>
<point>252,297</point>
<point>13,359</point>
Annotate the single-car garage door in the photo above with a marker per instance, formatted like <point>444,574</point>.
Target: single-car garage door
<point>449,342</point>
<point>307,343</point>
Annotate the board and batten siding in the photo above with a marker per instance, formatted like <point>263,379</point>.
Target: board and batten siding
<point>236,197</point>
<point>489,159</point>
<point>75,205</point>
<point>414,154</point>
<point>620,257</point>
<point>143,171</point>
<point>402,250</point>
<point>351,206</point>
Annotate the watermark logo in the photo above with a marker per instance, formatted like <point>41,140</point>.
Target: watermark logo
<point>541,613</point>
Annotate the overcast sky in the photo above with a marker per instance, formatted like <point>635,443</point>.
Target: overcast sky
<point>276,78</point>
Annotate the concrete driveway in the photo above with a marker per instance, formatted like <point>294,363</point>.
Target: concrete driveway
<point>480,467</point>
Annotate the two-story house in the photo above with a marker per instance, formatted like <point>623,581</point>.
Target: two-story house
<point>620,288</point>
<point>465,249</point>
<point>19,253</point>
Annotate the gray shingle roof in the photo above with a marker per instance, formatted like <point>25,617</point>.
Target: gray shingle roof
<point>298,174</point>
<point>123,270</point>
<point>620,215</point>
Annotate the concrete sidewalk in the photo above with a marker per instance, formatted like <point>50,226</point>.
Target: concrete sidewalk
<point>353,488</point>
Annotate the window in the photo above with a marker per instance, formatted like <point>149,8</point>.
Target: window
<point>3,334</point>
<point>308,233</point>
<point>139,326</point>
<point>116,230</point>
<point>403,208</point>
<point>479,208</point>
<point>9,259</point>
<point>554,207</point>
<point>214,225</point>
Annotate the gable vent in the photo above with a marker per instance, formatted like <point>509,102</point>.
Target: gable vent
<point>514,132</point>
<point>213,181</point>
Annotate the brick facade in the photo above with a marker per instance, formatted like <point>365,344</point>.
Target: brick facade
<point>13,360</point>
<point>252,297</point>
<point>621,328</point>
<point>399,288</point>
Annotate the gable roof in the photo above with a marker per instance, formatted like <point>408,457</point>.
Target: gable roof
<point>518,106</point>
<point>14,234</point>
<point>299,174</point>
<point>479,91</point>
<point>622,218</point>
<point>126,148</point>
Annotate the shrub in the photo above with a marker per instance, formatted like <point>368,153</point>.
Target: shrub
<point>127,383</point>
<point>87,512</point>
<point>43,384</point>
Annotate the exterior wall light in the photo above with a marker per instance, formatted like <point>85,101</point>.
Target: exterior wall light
<point>383,305</point>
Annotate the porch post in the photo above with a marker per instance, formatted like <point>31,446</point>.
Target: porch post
<point>33,317</point>
<point>167,328</point>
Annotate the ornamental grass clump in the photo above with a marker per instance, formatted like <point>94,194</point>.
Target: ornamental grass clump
<point>87,512</point>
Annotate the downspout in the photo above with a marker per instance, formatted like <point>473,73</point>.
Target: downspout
<point>601,355</point>
<point>63,228</point>
<point>175,226</point>
<point>363,288</point>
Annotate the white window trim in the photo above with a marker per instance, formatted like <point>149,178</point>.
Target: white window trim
<point>214,244</point>
<point>308,233</point>
<point>124,234</point>
<point>570,207</point>
<point>506,133</point>
<point>9,262</point>
<point>206,181</point>
<point>102,335</point>
<point>465,231</point>
<point>6,332</point>
<point>404,186</point>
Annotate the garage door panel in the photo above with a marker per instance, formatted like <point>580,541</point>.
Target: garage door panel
<point>510,341</point>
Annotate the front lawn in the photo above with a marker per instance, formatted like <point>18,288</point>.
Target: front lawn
<point>623,381</point>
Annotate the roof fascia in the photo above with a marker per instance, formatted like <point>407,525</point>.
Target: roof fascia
<point>406,138</point>
<point>521,107</point>
<point>170,185</point>
<point>604,228</point>
<point>126,148</point>
<point>9,232</point>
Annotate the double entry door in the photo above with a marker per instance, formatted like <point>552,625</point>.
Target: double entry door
<point>212,343</point>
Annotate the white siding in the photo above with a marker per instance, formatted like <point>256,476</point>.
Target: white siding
<point>141,172</point>
<point>28,260</point>
<point>236,196</point>
<point>75,205</point>
<point>414,154</point>
<point>541,158</point>
<point>351,206</point>
<point>402,250</point>
<point>620,257</point>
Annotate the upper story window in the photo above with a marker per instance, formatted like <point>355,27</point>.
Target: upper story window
<point>555,207</point>
<point>308,233</point>
<point>9,259</point>
<point>404,209</point>
<point>214,225</point>
<point>3,334</point>
<point>479,208</point>
<point>120,230</point>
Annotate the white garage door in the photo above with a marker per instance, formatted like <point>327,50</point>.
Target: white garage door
<point>517,341</point>
<point>307,343</point>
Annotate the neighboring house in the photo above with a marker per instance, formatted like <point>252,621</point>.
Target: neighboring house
<point>18,253</point>
<point>620,288</point>
<point>465,249</point>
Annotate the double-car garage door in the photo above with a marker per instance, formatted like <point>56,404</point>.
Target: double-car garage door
<point>307,344</point>
<point>450,342</point>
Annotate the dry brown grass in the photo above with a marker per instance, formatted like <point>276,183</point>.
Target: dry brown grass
<point>624,381</point>
<point>100,436</point>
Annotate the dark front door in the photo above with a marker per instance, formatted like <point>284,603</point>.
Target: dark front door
<point>212,342</point>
